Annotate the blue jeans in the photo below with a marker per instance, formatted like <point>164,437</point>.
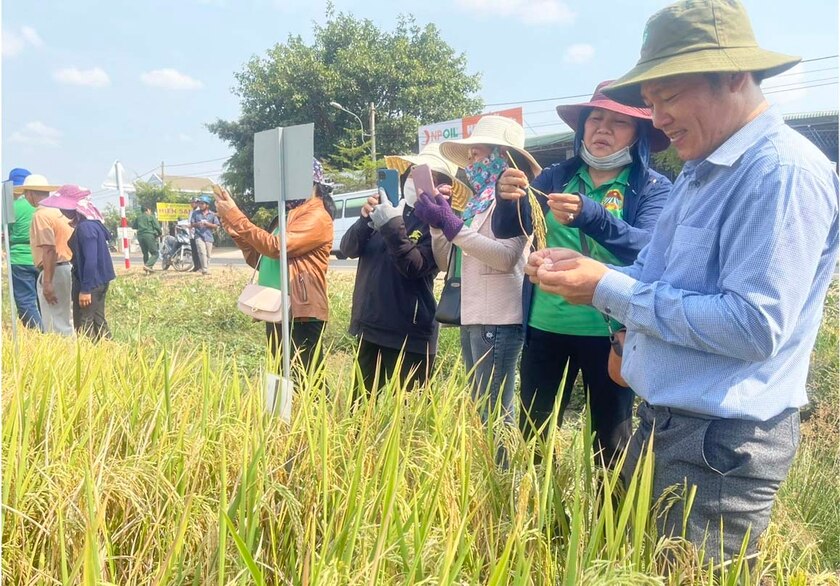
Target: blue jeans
<point>490,355</point>
<point>26,297</point>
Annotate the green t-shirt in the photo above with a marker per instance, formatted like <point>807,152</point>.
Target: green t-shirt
<point>269,272</point>
<point>20,252</point>
<point>552,313</point>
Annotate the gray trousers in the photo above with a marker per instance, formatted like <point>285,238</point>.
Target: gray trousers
<point>737,466</point>
<point>58,318</point>
<point>205,249</point>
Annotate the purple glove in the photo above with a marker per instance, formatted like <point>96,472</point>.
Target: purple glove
<point>437,213</point>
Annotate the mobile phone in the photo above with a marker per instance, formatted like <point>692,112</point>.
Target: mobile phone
<point>388,180</point>
<point>423,181</point>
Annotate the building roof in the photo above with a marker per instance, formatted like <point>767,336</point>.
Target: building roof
<point>184,183</point>
<point>820,116</point>
<point>545,141</point>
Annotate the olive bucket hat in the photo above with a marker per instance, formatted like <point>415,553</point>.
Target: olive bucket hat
<point>697,36</point>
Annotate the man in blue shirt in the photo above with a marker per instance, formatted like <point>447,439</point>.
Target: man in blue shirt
<point>723,305</point>
<point>204,222</point>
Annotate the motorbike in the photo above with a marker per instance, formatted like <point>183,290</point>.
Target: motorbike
<point>176,251</point>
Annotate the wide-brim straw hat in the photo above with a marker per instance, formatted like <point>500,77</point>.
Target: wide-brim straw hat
<point>490,130</point>
<point>66,197</point>
<point>697,36</point>
<point>570,113</point>
<point>35,183</point>
<point>430,155</point>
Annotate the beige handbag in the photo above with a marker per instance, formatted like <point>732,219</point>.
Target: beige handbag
<point>260,302</point>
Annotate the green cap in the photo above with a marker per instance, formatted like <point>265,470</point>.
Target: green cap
<point>697,36</point>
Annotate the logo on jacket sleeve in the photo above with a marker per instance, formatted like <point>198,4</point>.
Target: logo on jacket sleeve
<point>415,236</point>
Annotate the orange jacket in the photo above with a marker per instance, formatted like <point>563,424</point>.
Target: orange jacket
<point>309,239</point>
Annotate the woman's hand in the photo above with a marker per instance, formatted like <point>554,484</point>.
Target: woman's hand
<point>84,299</point>
<point>565,207</point>
<point>224,202</point>
<point>371,203</point>
<point>445,190</point>
<point>512,184</point>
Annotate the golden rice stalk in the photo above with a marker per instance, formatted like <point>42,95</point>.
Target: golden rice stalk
<point>537,217</point>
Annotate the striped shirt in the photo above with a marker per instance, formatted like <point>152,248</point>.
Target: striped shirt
<point>723,305</point>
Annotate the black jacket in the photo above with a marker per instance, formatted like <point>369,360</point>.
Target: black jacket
<point>393,299</point>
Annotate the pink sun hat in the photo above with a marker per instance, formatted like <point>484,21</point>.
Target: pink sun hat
<point>74,198</point>
<point>66,197</point>
<point>570,113</point>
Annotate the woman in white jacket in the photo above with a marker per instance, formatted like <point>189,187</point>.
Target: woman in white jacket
<point>491,269</point>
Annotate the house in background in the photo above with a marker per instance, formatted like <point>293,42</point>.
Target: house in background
<point>183,183</point>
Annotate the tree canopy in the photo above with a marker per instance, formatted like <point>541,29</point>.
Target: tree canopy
<point>411,75</point>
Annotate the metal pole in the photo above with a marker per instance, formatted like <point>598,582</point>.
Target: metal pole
<point>373,134</point>
<point>13,305</point>
<point>284,283</point>
<point>123,220</point>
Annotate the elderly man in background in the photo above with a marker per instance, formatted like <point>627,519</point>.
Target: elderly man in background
<point>49,235</point>
<point>723,305</point>
<point>24,273</point>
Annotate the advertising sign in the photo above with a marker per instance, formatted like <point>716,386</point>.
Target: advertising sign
<point>172,212</point>
<point>458,129</point>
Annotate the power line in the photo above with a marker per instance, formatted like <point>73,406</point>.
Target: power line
<point>818,59</point>
<point>804,82</point>
<point>804,87</point>
<point>196,162</point>
<point>790,73</point>
<point>589,94</point>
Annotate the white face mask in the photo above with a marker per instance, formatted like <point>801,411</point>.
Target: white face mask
<point>409,192</point>
<point>620,158</point>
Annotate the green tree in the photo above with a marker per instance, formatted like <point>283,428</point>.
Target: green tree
<point>411,75</point>
<point>148,194</point>
<point>668,163</point>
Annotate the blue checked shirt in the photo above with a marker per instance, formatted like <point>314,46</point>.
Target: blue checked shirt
<point>723,305</point>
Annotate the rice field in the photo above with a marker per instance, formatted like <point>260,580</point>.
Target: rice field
<point>150,459</point>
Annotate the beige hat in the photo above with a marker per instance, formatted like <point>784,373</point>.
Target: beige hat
<point>35,183</point>
<point>430,155</point>
<point>492,130</point>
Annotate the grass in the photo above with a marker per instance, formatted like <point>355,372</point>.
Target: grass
<point>150,460</point>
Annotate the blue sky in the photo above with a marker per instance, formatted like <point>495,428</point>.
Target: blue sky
<point>88,81</point>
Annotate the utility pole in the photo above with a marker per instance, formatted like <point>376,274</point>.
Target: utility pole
<point>162,180</point>
<point>373,133</point>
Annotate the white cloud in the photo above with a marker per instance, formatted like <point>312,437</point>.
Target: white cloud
<point>579,53</point>
<point>31,36</point>
<point>14,42</point>
<point>170,79</point>
<point>533,12</point>
<point>95,77</point>
<point>36,134</point>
